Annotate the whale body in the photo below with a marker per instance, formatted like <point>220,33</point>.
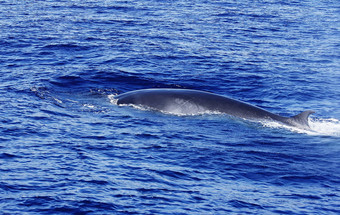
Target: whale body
<point>184,101</point>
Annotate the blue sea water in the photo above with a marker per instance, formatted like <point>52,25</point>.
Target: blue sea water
<point>67,148</point>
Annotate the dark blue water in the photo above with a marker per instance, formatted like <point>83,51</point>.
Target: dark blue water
<point>66,148</point>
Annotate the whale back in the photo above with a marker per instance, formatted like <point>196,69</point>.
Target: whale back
<point>183,102</point>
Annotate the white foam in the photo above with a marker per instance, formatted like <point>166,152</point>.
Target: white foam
<point>58,100</point>
<point>319,127</point>
<point>89,106</point>
<point>112,99</point>
<point>326,127</point>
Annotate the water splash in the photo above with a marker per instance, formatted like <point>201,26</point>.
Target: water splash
<point>319,127</point>
<point>112,99</point>
<point>325,127</point>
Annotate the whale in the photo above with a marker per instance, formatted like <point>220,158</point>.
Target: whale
<point>188,102</point>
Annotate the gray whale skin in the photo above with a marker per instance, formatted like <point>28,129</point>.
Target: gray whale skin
<point>186,101</point>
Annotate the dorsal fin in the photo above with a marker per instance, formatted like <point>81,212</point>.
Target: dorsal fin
<point>301,120</point>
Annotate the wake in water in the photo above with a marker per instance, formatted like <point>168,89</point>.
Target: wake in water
<point>319,127</point>
<point>327,127</point>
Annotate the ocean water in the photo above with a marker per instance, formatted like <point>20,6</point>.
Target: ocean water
<point>67,148</point>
